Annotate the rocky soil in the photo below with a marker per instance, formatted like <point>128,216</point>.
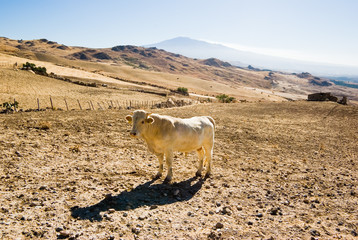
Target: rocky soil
<point>280,171</point>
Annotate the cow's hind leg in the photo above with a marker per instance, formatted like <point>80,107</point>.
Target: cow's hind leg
<point>208,156</point>
<point>169,160</point>
<point>160,157</point>
<point>200,153</point>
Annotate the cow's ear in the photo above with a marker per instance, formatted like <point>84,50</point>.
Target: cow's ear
<point>149,120</point>
<point>129,118</point>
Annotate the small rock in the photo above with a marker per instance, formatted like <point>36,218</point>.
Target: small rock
<point>153,207</point>
<point>315,233</point>
<point>142,217</point>
<point>111,210</point>
<point>219,225</point>
<point>239,208</point>
<point>226,185</point>
<point>34,204</point>
<point>18,154</point>
<point>274,211</point>
<point>21,196</point>
<point>65,234</point>
<point>260,215</point>
<point>250,223</point>
<point>125,214</point>
<point>43,187</point>
<point>226,210</point>
<point>136,230</point>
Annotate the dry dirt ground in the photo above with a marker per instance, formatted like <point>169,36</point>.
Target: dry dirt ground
<point>280,171</point>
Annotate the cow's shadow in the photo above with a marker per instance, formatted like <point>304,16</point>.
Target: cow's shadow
<point>147,194</point>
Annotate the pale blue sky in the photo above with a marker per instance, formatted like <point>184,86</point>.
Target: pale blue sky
<point>315,30</point>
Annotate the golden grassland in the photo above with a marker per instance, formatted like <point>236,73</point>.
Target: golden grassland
<point>280,170</point>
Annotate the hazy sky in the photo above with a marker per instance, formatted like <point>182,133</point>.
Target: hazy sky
<point>315,30</point>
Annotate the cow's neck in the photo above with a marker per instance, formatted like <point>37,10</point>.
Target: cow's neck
<point>148,134</point>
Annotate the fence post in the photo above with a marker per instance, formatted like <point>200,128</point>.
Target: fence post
<point>66,104</point>
<point>51,103</point>
<point>100,106</point>
<point>91,104</point>
<point>38,104</point>
<point>15,105</point>
<point>79,104</point>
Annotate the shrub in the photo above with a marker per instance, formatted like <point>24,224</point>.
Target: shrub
<point>183,90</point>
<point>37,70</point>
<point>225,98</point>
<point>9,106</point>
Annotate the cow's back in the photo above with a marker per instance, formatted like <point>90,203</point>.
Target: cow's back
<point>193,133</point>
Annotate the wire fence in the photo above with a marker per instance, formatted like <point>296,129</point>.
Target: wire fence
<point>71,104</point>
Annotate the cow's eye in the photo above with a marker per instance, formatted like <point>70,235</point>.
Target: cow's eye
<point>142,122</point>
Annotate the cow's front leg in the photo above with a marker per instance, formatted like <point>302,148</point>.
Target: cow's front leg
<point>200,152</point>
<point>160,157</point>
<point>169,160</point>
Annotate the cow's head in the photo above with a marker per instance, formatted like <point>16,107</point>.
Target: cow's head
<point>140,120</point>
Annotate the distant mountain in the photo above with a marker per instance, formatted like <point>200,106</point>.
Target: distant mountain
<point>203,50</point>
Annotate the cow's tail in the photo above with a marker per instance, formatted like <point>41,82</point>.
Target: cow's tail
<point>212,121</point>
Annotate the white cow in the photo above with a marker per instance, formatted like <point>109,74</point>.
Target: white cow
<point>165,134</point>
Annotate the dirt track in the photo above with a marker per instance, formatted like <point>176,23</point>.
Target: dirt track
<point>281,171</point>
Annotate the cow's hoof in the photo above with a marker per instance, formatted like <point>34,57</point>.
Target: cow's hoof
<point>198,174</point>
<point>207,175</point>
<point>167,179</point>
<point>157,176</point>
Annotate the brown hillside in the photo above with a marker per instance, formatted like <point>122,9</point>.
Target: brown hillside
<point>280,171</point>
<point>138,57</point>
<point>149,67</point>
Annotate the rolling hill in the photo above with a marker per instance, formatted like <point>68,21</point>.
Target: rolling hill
<point>133,69</point>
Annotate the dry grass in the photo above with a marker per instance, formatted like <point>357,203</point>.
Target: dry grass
<point>281,170</point>
<point>27,87</point>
